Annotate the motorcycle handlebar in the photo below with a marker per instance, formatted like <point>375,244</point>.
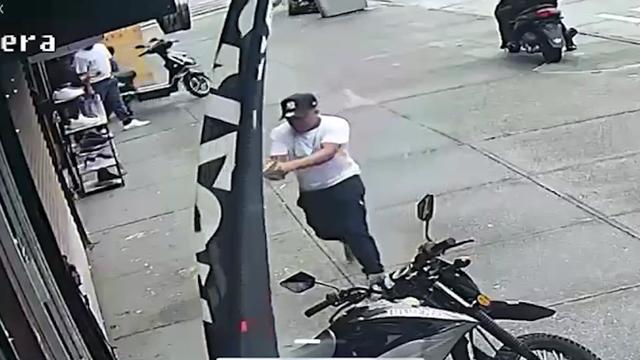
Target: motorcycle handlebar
<point>430,251</point>
<point>352,295</point>
<point>319,307</point>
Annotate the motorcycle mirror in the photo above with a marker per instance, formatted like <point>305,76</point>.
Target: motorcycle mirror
<point>425,211</point>
<point>299,282</point>
<point>425,207</point>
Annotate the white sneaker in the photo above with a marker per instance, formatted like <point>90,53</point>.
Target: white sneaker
<point>84,122</point>
<point>135,123</point>
<point>67,94</point>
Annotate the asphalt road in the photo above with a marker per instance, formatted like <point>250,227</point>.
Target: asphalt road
<point>539,163</point>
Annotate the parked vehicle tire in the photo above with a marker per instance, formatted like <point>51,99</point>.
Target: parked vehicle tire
<point>178,21</point>
<point>198,85</point>
<point>551,55</point>
<point>549,345</point>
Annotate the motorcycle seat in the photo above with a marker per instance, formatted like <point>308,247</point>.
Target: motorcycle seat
<point>325,348</point>
<point>125,76</point>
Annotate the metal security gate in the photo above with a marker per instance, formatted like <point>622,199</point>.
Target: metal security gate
<point>30,278</point>
<point>41,228</point>
<point>58,205</point>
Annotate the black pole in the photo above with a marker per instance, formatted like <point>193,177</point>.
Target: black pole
<point>229,210</point>
<point>258,331</point>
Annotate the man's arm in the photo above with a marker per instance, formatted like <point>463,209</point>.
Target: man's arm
<point>334,137</point>
<point>328,152</point>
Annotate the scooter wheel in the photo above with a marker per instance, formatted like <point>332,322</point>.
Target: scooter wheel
<point>198,85</point>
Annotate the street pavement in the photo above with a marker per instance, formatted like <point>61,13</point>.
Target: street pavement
<point>538,163</point>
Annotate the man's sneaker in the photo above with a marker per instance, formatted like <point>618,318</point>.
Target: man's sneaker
<point>67,94</point>
<point>91,143</point>
<point>135,123</point>
<point>376,279</point>
<point>84,122</point>
<point>94,140</point>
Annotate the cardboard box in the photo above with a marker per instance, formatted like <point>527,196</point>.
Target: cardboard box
<point>330,8</point>
<point>126,55</point>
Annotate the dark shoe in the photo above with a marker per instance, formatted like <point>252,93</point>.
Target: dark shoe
<point>571,47</point>
<point>513,47</point>
<point>92,144</point>
<point>105,175</point>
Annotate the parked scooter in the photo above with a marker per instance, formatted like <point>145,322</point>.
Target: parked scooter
<point>181,68</point>
<point>430,309</point>
<point>540,29</point>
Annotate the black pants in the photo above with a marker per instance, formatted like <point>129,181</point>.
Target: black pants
<point>339,213</point>
<point>112,100</point>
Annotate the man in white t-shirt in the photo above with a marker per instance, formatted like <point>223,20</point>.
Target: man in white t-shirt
<point>315,148</point>
<point>93,64</point>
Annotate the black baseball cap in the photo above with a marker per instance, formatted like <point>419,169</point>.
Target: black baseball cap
<point>297,105</point>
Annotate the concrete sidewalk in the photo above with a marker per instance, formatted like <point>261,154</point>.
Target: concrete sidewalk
<point>143,260</point>
<point>536,162</point>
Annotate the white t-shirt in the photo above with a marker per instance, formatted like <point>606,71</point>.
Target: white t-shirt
<point>332,129</point>
<point>95,62</point>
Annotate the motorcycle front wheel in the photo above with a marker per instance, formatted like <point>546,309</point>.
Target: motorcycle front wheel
<point>549,347</point>
<point>197,85</point>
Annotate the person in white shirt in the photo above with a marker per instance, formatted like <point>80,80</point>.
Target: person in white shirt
<point>315,148</point>
<point>93,64</point>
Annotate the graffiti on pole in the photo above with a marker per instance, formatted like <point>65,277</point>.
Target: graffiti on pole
<point>228,214</point>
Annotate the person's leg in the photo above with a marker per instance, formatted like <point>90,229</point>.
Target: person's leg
<point>314,206</point>
<point>502,14</point>
<point>103,89</point>
<point>352,214</point>
<point>114,101</point>
<point>568,38</point>
<point>121,110</point>
<point>338,213</point>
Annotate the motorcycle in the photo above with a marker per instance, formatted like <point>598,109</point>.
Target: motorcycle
<point>181,68</point>
<point>430,309</point>
<point>540,30</point>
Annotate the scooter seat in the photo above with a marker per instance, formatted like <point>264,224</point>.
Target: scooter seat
<point>125,76</point>
<point>325,348</point>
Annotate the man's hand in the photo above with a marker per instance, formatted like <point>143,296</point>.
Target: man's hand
<point>273,171</point>
<point>286,166</point>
